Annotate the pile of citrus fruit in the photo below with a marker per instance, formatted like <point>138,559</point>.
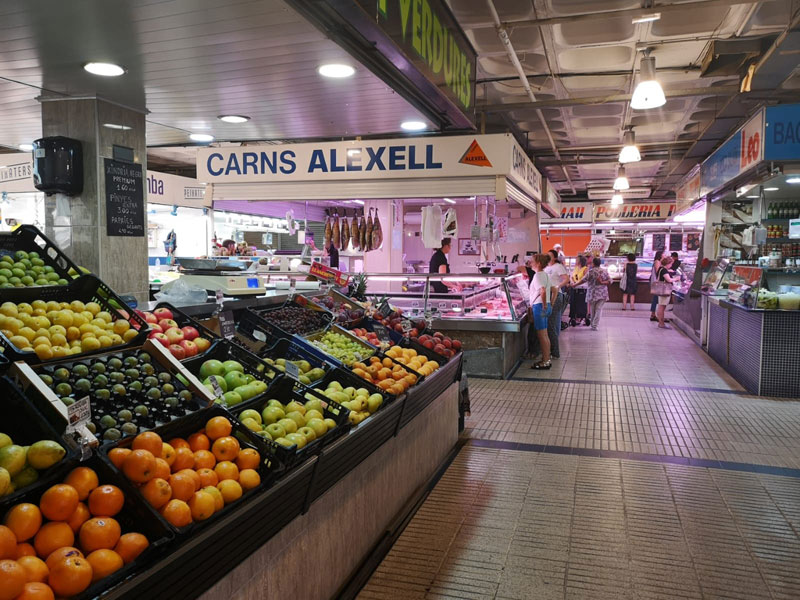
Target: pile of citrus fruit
<point>389,373</point>
<point>67,542</point>
<point>188,480</point>
<point>410,358</point>
<point>59,329</point>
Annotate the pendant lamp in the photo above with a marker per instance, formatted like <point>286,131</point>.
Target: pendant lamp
<point>648,94</point>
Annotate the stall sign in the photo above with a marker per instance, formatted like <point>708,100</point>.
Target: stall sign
<point>740,152</point>
<point>639,211</point>
<point>794,229</point>
<point>688,192</point>
<point>782,132</point>
<point>164,188</point>
<point>523,173</point>
<point>16,172</point>
<point>326,273</point>
<point>552,201</point>
<point>572,212</point>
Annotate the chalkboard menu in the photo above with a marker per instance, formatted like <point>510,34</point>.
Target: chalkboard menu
<point>675,242</point>
<point>659,241</point>
<point>124,199</point>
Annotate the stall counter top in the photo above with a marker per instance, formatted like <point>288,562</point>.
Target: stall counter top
<point>271,298</point>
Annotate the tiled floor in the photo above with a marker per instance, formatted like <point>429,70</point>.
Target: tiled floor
<point>516,516</point>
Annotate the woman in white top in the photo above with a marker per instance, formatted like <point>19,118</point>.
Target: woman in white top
<point>542,295</point>
<point>559,278</point>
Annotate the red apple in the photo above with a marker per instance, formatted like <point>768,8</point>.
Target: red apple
<point>456,345</point>
<point>163,313</point>
<point>190,347</point>
<point>439,349</point>
<point>167,324</point>
<point>174,335</point>
<point>202,344</point>
<point>190,333</point>
<point>447,343</point>
<point>160,338</point>
<point>150,317</point>
<point>156,327</point>
<point>177,351</point>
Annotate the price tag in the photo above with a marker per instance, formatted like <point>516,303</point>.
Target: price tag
<point>220,297</point>
<point>455,305</point>
<point>226,324</point>
<point>442,306</point>
<point>259,335</point>
<point>794,229</point>
<point>415,304</point>
<point>381,332</point>
<point>292,370</point>
<point>475,232</point>
<point>215,386</point>
<point>79,413</point>
<point>384,309</point>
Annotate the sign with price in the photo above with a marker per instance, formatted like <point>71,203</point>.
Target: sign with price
<point>326,273</point>
<point>227,325</point>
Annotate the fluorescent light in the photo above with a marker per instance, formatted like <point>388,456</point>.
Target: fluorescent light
<point>115,126</point>
<point>629,152</point>
<point>449,201</point>
<point>621,182</point>
<point>616,200</point>
<point>104,69</point>
<point>646,18</point>
<point>793,180</point>
<point>336,71</point>
<point>756,196</point>
<point>648,94</point>
<point>354,152</point>
<point>26,147</point>
<point>234,118</point>
<point>413,125</point>
<point>771,189</point>
<point>201,137</point>
<point>361,202</point>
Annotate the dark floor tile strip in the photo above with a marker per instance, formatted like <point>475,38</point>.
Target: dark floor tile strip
<point>633,383</point>
<point>672,460</point>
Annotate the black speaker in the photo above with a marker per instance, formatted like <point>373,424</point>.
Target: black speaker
<point>58,165</point>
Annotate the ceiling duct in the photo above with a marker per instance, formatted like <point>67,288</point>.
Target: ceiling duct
<point>629,194</point>
<point>725,58</point>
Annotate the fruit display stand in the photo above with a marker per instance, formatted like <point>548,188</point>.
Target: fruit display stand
<point>185,323</point>
<point>316,343</point>
<point>28,239</point>
<point>296,316</point>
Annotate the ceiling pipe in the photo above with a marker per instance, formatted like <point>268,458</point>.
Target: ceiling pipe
<point>512,56</point>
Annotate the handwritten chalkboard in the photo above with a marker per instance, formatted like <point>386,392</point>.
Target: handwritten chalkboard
<point>124,199</point>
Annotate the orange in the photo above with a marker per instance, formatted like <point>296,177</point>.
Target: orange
<point>387,362</point>
<point>203,459</point>
<point>230,490</point>
<point>218,427</point>
<point>117,456</point>
<point>192,474</point>
<point>8,543</point>
<point>226,470</point>
<point>248,458</point>
<point>130,546</point>
<point>104,562</point>
<point>179,443</point>
<point>84,480</point>
<point>79,517</point>
<point>65,552</point>
<point>139,466</point>
<point>157,492</point>
<point>35,567</point>
<point>168,453</point>
<point>150,441</point>
<point>249,479</point>
<point>226,448</point>
<point>177,513</point>
<point>199,441</point>
<point>184,459</point>
<point>219,502</point>
<point>182,486</point>
<point>100,532</point>
<point>35,590</point>
<point>24,521</point>
<point>52,536</point>
<point>25,549</point>
<point>14,578</point>
<point>106,501</point>
<point>59,502</point>
<point>207,477</point>
<point>202,506</point>
<point>162,469</point>
<point>398,375</point>
<point>70,576</point>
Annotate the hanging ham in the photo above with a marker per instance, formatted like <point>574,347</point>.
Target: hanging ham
<point>370,227</point>
<point>328,232</point>
<point>362,232</point>
<point>345,232</point>
<point>377,233</point>
<point>355,234</point>
<point>337,233</point>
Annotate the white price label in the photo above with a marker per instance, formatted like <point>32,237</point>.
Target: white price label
<point>216,387</point>
<point>794,228</point>
<point>292,370</point>
<point>442,306</point>
<point>259,335</point>
<point>79,413</point>
<point>475,232</point>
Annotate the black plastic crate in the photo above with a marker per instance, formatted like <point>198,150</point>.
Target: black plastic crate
<point>349,379</point>
<point>21,420</point>
<point>158,412</point>
<point>285,390</point>
<point>429,353</point>
<point>4,363</point>
<point>253,365</point>
<point>420,396</point>
<point>184,320</point>
<point>274,460</point>
<point>135,516</point>
<point>28,238</point>
<point>86,288</point>
<point>300,303</point>
<point>345,454</point>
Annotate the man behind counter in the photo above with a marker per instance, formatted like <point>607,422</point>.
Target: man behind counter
<point>439,264</point>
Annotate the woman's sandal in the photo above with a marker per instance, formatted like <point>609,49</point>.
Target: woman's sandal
<point>543,365</point>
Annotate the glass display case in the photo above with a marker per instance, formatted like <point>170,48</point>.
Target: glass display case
<point>685,276</point>
<point>712,284</point>
<point>757,288</point>
<point>615,265</point>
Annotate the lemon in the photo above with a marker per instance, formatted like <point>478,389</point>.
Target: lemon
<point>5,440</point>
<point>105,341</point>
<point>116,340</point>
<point>78,319</point>
<point>44,454</point>
<point>39,305</point>
<point>25,477</point>
<point>60,351</point>
<point>105,315</point>
<point>14,325</point>
<point>63,318</point>
<point>43,351</point>
<point>77,306</point>
<point>129,335</point>
<point>41,341</point>
<point>57,329</point>
<point>53,306</point>
<point>41,322</point>
<point>90,343</point>
<point>73,333</point>
<point>93,307</point>
<point>121,326</point>
<point>58,339</point>
<point>24,307</point>
<point>12,459</point>
<point>20,341</point>
<point>86,328</point>
<point>9,309</point>
<point>45,333</point>
<point>5,481</point>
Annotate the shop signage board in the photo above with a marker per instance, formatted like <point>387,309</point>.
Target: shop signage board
<point>326,273</point>
<point>572,212</point>
<point>782,132</point>
<point>164,188</point>
<point>16,172</point>
<point>743,150</point>
<point>474,156</point>
<point>552,201</point>
<point>635,211</point>
<point>124,198</point>
<point>688,192</point>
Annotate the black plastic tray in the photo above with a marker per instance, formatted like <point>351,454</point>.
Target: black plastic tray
<point>86,288</point>
<point>420,396</point>
<point>25,424</point>
<point>274,460</point>
<point>253,365</point>
<point>277,332</point>
<point>135,516</point>
<point>349,379</point>
<point>184,320</point>
<point>29,239</point>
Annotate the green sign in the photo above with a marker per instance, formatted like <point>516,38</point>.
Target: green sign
<point>428,34</point>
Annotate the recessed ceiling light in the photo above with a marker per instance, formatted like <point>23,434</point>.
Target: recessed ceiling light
<point>646,18</point>
<point>115,126</point>
<point>234,118</point>
<point>771,189</point>
<point>104,69</point>
<point>413,125</point>
<point>449,201</point>
<point>201,137</point>
<point>26,147</point>
<point>793,180</point>
<point>336,71</point>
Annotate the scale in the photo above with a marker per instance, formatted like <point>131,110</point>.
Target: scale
<point>231,277</point>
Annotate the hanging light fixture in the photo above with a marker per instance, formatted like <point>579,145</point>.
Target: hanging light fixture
<point>648,93</point>
<point>621,182</point>
<point>616,200</point>
<point>629,152</point>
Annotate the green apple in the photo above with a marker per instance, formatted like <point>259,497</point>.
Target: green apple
<point>234,379</point>
<point>350,391</point>
<point>286,442</point>
<point>276,430</point>
<point>259,386</point>
<point>245,391</point>
<point>264,434</point>
<point>251,414</point>
<point>336,385</point>
<point>308,433</point>
<point>319,427</point>
<point>314,404</point>
<point>232,365</point>
<point>211,367</point>
<point>250,378</point>
<point>313,414</point>
<point>298,439</point>
<point>231,398</point>
<point>304,365</point>
<point>374,402</point>
<point>251,424</point>
<point>272,414</point>
<point>288,425</point>
<point>297,417</point>
<point>295,406</point>
<point>362,392</point>
<point>329,423</point>
<point>275,402</point>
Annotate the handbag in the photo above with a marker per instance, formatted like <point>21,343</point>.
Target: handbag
<point>661,288</point>
<point>623,281</point>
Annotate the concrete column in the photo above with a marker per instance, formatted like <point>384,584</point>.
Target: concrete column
<point>78,224</point>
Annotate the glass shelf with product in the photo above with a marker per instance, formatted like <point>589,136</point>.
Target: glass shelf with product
<point>756,288</point>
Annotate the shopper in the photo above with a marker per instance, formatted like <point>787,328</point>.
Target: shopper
<point>542,293</point>
<point>676,261</point>
<point>628,283</point>
<point>663,289</point>
<point>653,276</point>
<point>559,279</point>
<point>597,280</point>
<point>577,301</point>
